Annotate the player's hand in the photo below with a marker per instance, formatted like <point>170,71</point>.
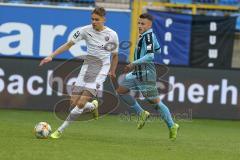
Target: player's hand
<point>112,74</point>
<point>113,79</point>
<point>45,60</point>
<point>128,68</point>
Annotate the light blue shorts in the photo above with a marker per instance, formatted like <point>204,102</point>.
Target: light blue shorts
<point>147,86</point>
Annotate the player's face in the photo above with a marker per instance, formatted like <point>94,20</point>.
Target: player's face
<point>97,22</point>
<point>144,25</point>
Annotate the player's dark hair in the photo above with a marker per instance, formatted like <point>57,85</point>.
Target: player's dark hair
<point>146,16</point>
<point>99,11</point>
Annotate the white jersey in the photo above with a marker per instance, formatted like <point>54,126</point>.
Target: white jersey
<point>96,64</point>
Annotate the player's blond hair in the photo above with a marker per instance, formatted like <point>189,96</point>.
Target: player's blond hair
<point>99,11</point>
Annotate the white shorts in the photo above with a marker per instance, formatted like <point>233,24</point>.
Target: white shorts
<point>92,76</point>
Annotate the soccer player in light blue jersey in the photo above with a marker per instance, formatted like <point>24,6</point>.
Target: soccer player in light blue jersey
<point>141,76</point>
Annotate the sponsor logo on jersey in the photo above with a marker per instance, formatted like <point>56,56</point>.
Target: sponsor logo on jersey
<point>107,38</point>
<point>148,37</point>
<point>149,47</point>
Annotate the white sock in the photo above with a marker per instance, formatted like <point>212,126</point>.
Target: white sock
<point>89,106</point>
<point>75,112</point>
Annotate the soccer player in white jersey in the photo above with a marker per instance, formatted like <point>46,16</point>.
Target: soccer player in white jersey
<point>102,48</point>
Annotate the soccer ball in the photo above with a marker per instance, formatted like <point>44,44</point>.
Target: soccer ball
<point>42,130</point>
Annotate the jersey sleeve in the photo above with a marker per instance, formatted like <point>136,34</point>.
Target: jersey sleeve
<point>78,35</point>
<point>116,42</point>
<point>157,47</point>
<point>149,43</point>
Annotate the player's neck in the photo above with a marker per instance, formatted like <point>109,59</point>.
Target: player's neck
<point>144,31</point>
<point>100,29</point>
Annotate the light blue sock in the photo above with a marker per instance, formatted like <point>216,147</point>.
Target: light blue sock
<point>130,101</point>
<point>137,108</point>
<point>165,114</point>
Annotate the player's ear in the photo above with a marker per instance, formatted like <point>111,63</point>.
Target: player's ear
<point>150,24</point>
<point>104,19</point>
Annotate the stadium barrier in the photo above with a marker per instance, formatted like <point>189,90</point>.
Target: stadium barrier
<point>206,93</point>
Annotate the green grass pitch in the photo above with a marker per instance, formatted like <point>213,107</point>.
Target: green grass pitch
<point>111,138</point>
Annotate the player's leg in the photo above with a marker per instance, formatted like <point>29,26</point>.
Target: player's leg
<point>91,106</point>
<point>123,90</point>
<point>166,116</point>
<point>128,99</point>
<point>81,103</point>
<point>125,86</point>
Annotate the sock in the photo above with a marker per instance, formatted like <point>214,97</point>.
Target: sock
<point>89,106</point>
<point>75,112</point>
<point>165,114</point>
<point>137,108</point>
<point>129,100</point>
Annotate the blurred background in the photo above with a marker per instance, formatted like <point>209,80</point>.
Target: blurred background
<point>200,44</point>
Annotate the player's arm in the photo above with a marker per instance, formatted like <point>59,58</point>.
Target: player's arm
<point>149,50</point>
<point>145,59</point>
<point>62,48</point>
<point>112,72</point>
<point>77,36</point>
<point>149,56</point>
<point>113,64</point>
<point>58,51</point>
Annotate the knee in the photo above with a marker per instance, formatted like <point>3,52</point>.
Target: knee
<point>80,104</point>
<point>154,101</point>
<point>83,100</point>
<point>122,90</point>
<point>74,100</point>
<point>77,100</point>
<point>118,91</point>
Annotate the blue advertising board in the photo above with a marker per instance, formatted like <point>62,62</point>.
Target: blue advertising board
<point>173,32</point>
<point>238,21</point>
<point>35,32</point>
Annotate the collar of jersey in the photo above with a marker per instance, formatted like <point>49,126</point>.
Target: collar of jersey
<point>101,30</point>
<point>146,32</point>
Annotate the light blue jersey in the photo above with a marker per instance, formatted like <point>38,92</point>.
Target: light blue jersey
<point>143,77</point>
<point>147,44</point>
